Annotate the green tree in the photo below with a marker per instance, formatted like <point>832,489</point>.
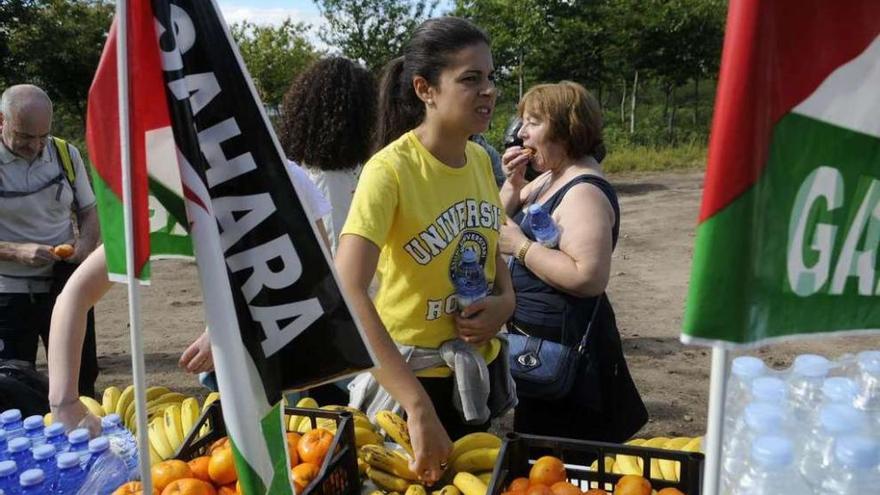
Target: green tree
<point>372,31</point>
<point>274,55</point>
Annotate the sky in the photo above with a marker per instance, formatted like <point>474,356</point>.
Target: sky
<point>275,11</point>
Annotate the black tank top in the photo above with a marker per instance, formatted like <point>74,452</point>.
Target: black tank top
<point>540,305</point>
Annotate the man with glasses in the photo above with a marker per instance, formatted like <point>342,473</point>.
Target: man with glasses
<point>45,201</point>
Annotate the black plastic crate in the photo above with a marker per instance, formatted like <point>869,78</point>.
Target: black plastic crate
<point>519,452</point>
<point>339,472</point>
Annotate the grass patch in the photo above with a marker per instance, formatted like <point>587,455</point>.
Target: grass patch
<point>650,159</point>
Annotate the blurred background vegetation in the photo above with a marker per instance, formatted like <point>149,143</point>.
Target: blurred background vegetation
<point>653,64</point>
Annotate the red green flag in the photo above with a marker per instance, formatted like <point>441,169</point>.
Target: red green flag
<point>790,221</point>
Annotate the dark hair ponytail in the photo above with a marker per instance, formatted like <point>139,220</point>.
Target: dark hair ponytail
<point>426,55</point>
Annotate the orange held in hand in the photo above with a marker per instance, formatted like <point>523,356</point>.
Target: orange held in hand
<point>313,445</point>
<point>221,467</point>
<point>189,486</point>
<point>547,470</point>
<point>632,484</point>
<point>133,488</point>
<point>165,472</point>
<point>63,251</point>
<point>303,474</point>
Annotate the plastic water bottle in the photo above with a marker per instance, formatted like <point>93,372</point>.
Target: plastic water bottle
<point>122,442</point>
<point>97,447</point>
<point>757,420</point>
<point>771,470</point>
<point>54,435</point>
<point>10,421</point>
<point>769,389</point>
<point>743,371</point>
<point>470,280</point>
<point>868,398</point>
<point>543,227</point>
<point>855,471</point>
<point>817,453</point>
<point>9,477</point>
<point>79,443</point>
<point>106,471</point>
<point>71,475</point>
<point>33,429</point>
<point>44,460</point>
<point>32,482</point>
<point>807,377</point>
<point>3,445</point>
<point>19,450</point>
<point>839,390</point>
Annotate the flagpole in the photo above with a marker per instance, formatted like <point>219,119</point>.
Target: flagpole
<point>137,356</point>
<point>715,425</point>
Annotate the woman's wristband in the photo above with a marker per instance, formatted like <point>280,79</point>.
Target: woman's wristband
<point>523,249</point>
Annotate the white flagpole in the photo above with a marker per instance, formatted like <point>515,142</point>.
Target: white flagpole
<point>715,424</point>
<point>134,317</point>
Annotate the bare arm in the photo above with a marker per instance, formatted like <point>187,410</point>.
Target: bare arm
<point>356,260</point>
<point>89,234</point>
<point>27,253</point>
<point>68,328</point>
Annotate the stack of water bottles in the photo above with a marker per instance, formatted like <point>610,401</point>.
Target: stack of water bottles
<point>43,460</point>
<point>811,429</point>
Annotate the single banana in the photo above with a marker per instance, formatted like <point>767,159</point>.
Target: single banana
<point>627,464</point>
<point>167,398</point>
<point>385,460</point>
<point>654,443</point>
<point>365,436</point>
<point>695,445</point>
<point>471,441</point>
<point>47,419</point>
<point>110,398</point>
<point>477,460</point>
<point>415,489</point>
<point>189,415</point>
<point>386,481</point>
<point>609,465</point>
<point>158,439</point>
<point>363,422</point>
<point>469,484</point>
<point>210,399</point>
<point>155,458</point>
<point>155,392</point>
<point>447,490</point>
<point>125,398</point>
<point>362,466</point>
<point>669,468</point>
<point>159,398</point>
<point>173,427</point>
<point>396,428</point>
<point>377,492</point>
<point>298,423</point>
<point>485,477</point>
<point>92,405</point>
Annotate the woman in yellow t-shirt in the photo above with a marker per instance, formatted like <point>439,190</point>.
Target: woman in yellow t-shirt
<point>423,200</point>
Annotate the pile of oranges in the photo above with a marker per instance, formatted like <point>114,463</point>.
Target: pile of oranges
<point>547,477</point>
<point>214,473</point>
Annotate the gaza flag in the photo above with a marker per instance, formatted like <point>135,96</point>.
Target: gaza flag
<point>158,212</point>
<point>790,221</point>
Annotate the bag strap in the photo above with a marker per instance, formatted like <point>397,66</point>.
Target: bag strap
<point>583,343</point>
<point>61,147</point>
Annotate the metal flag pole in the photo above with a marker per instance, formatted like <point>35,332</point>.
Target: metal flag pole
<point>715,424</point>
<point>134,317</point>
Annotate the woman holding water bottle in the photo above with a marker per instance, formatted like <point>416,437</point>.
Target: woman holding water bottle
<point>426,204</point>
<point>564,228</point>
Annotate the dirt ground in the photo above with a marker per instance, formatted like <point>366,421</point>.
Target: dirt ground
<point>650,274</point>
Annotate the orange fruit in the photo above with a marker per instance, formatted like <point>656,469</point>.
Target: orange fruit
<point>547,470</point>
<point>292,442</point>
<point>63,251</point>
<point>538,489</point>
<point>189,486</point>
<point>313,445</point>
<point>670,491</point>
<point>632,484</point>
<point>564,488</point>
<point>519,485</point>
<point>166,472</point>
<point>218,444</point>
<point>199,467</point>
<point>230,489</point>
<point>133,488</point>
<point>221,467</point>
<point>595,491</point>
<point>303,474</point>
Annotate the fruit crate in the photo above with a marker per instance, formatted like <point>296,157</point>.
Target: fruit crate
<point>519,451</point>
<point>339,471</point>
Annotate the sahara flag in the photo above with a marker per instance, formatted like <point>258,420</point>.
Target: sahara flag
<point>790,221</point>
<point>276,315</point>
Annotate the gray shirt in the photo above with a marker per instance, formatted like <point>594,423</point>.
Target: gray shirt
<point>43,217</point>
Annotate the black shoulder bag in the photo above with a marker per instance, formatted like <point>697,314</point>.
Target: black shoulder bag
<point>544,369</point>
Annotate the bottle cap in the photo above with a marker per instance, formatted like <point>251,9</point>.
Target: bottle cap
<point>762,417</point>
<point>31,477</point>
<point>44,451</point>
<point>19,444</point>
<point>811,365</point>
<point>772,451</point>
<point>534,208</point>
<point>53,430</point>
<point>67,460</point>
<point>842,418</point>
<point>99,444</point>
<point>839,389</point>
<point>33,422</point>
<point>869,362</point>
<point>769,389</point>
<point>111,420</point>
<point>857,452</point>
<point>469,256</point>
<point>78,435</point>
<point>10,416</point>
<point>7,468</point>
<point>748,367</point>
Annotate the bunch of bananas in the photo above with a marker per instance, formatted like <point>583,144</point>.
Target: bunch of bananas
<point>664,469</point>
<point>171,421</point>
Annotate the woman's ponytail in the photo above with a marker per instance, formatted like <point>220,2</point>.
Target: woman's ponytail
<point>399,109</point>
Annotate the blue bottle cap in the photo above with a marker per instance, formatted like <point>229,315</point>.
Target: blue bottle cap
<point>53,430</point>
<point>7,468</point>
<point>78,435</point>
<point>31,477</point>
<point>33,422</point>
<point>769,389</point>
<point>857,452</point>
<point>44,451</point>
<point>840,389</point>
<point>869,362</point>
<point>772,451</point>
<point>469,256</point>
<point>533,208</point>
<point>10,416</point>
<point>842,418</point>
<point>811,365</point>
<point>762,417</point>
<point>748,367</point>
<point>67,460</point>
<point>98,445</point>
<point>19,444</point>
<point>111,420</point>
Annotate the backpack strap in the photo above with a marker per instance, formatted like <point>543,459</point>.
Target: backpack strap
<point>63,149</point>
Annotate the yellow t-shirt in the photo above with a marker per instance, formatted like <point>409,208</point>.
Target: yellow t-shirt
<point>422,214</point>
